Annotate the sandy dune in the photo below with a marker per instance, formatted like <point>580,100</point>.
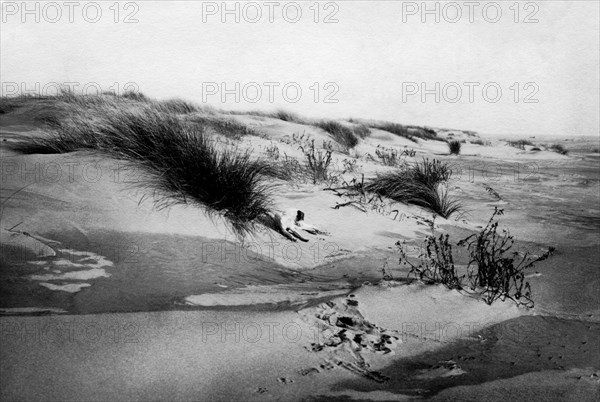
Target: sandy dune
<point>265,318</point>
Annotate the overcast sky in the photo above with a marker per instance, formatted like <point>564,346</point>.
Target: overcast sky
<point>373,62</point>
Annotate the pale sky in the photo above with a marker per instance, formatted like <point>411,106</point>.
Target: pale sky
<point>377,58</point>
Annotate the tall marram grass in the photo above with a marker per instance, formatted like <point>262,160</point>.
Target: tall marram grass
<point>224,126</point>
<point>430,172</point>
<point>136,96</point>
<point>176,106</point>
<point>287,116</point>
<point>10,103</point>
<point>280,114</point>
<point>396,129</point>
<point>340,133</point>
<point>420,184</point>
<point>411,133</point>
<point>181,162</point>
<point>362,130</point>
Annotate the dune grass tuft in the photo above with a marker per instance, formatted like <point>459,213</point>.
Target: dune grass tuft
<point>520,143</point>
<point>287,116</point>
<point>420,184</point>
<point>181,162</point>
<point>361,131</point>
<point>454,147</point>
<point>412,133</point>
<point>340,133</point>
<point>280,114</point>
<point>559,148</point>
<point>176,106</point>
<point>397,129</point>
<point>226,127</point>
<point>136,96</point>
<point>10,103</point>
<point>430,172</point>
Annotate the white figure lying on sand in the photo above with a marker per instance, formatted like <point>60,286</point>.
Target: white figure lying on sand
<point>289,223</point>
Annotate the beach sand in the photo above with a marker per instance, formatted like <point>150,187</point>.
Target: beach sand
<point>140,304</point>
<point>418,341</point>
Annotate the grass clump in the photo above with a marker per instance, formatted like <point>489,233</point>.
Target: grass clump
<point>280,114</point>
<point>454,147</point>
<point>425,133</point>
<point>361,131</point>
<point>420,184</point>
<point>520,144</point>
<point>180,161</point>
<point>226,127</point>
<point>287,116</point>
<point>411,133</point>
<point>559,148</point>
<point>10,103</point>
<point>135,96</point>
<point>397,129</point>
<point>79,110</point>
<point>7,106</point>
<point>430,172</point>
<point>340,133</point>
<point>176,106</point>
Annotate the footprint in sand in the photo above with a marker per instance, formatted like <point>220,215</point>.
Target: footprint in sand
<point>284,380</point>
<point>309,371</point>
<point>348,337</point>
